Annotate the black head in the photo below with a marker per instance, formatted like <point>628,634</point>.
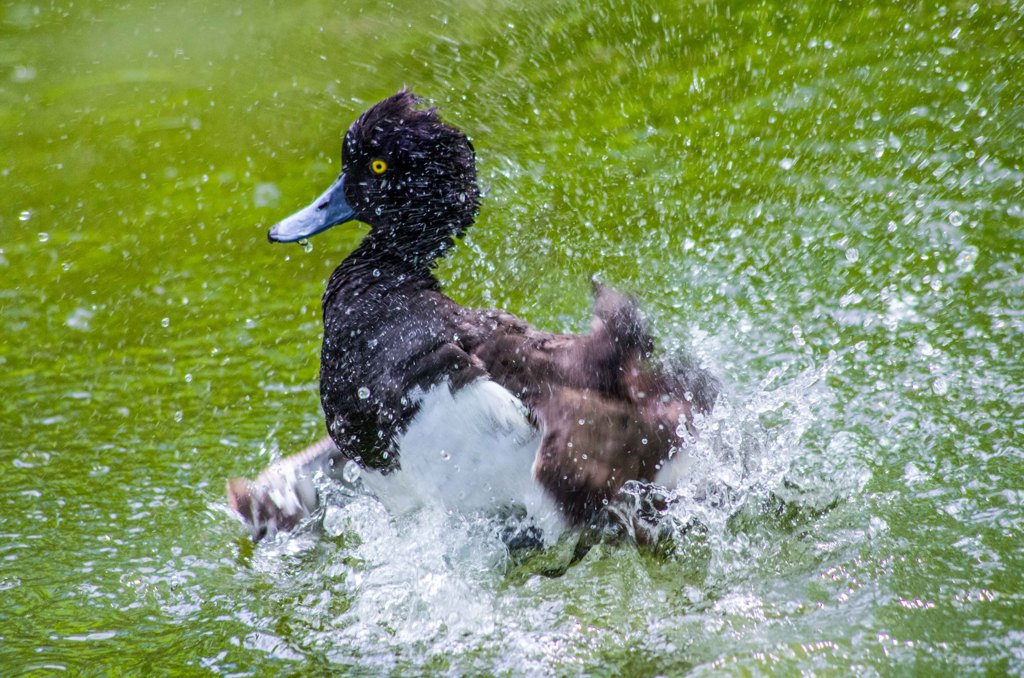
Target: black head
<point>408,175</point>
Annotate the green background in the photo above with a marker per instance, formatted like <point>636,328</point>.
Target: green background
<point>822,201</point>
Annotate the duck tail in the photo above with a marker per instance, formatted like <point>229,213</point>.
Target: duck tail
<point>284,495</point>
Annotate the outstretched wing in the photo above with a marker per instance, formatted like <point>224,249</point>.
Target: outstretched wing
<point>610,414</point>
<point>284,494</point>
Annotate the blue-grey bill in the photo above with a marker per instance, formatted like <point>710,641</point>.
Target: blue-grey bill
<point>330,209</point>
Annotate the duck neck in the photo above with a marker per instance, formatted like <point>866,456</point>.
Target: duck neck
<point>415,247</point>
<point>379,263</point>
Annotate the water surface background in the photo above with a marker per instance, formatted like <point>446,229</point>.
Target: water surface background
<point>823,202</point>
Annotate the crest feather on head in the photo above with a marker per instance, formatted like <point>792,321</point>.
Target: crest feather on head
<point>400,112</point>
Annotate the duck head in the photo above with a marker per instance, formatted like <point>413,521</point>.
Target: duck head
<point>408,175</point>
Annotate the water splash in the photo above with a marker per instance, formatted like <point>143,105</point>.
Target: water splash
<point>429,586</point>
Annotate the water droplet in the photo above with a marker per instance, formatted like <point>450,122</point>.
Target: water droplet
<point>25,215</point>
<point>787,163</point>
<point>188,378</point>
<point>852,254</point>
<point>179,415</point>
<point>376,273</point>
<point>364,393</point>
<point>445,455</point>
<point>166,322</point>
<point>955,218</point>
<point>307,246</point>
<point>43,237</point>
<point>351,472</point>
<point>965,260</point>
<point>940,386</point>
<point>798,336</point>
<point>23,74</point>
<point>266,195</point>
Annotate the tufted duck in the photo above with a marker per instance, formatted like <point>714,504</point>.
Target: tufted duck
<point>472,409</point>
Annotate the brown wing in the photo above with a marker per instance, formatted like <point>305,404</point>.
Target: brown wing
<point>526,360</point>
<point>609,414</point>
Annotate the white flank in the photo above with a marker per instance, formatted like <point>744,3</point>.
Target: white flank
<point>469,451</point>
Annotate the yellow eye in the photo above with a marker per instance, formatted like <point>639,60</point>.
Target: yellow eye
<point>379,166</point>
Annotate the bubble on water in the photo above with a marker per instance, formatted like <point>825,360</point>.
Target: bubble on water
<point>44,237</point>
<point>956,218</point>
<point>306,245</point>
<point>166,322</point>
<point>25,215</point>
<point>445,455</point>
<point>364,393</point>
<point>964,261</point>
<point>940,386</point>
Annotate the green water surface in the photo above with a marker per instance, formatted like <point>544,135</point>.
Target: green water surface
<point>822,201</point>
